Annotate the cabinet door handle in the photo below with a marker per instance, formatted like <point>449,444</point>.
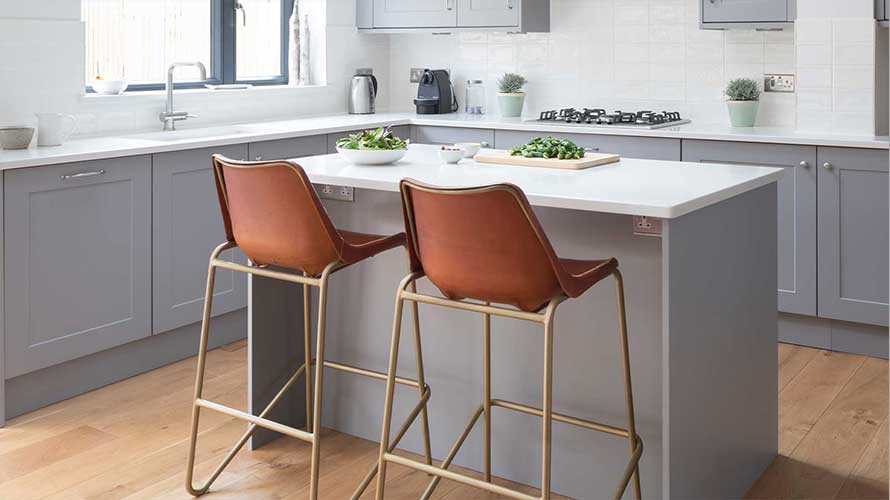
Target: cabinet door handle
<point>81,175</point>
<point>827,165</point>
<point>592,150</point>
<point>510,4</point>
<point>448,5</point>
<point>258,158</point>
<point>804,164</point>
<point>484,144</point>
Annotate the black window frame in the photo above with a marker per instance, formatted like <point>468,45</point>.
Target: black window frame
<point>223,57</point>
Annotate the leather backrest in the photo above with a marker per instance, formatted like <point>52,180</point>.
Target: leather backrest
<point>271,211</point>
<point>481,243</point>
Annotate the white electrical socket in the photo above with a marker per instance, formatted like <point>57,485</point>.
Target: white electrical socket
<point>647,226</point>
<point>338,193</point>
<point>778,83</point>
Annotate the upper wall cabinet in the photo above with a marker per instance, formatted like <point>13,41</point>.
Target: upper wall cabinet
<point>400,16</point>
<point>748,14</point>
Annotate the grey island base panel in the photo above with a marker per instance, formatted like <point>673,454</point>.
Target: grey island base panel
<point>701,307</point>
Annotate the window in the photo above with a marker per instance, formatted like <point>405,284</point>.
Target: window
<point>239,41</point>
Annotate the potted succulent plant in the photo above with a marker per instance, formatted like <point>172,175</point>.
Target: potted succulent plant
<point>511,98</point>
<point>742,101</point>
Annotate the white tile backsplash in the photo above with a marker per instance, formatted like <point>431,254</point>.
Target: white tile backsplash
<point>652,54</point>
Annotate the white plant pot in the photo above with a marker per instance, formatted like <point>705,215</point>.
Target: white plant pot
<point>742,113</point>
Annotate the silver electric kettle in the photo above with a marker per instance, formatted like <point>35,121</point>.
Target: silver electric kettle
<point>362,92</point>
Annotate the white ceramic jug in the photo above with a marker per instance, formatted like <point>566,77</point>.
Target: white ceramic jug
<point>54,128</point>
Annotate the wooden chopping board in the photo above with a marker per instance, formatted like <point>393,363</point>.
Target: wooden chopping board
<point>590,160</point>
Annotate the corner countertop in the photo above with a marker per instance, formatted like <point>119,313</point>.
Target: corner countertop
<point>94,148</point>
<point>653,188</point>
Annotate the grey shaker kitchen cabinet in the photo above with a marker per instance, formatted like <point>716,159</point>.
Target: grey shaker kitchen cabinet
<point>401,131</point>
<point>186,227</point>
<point>744,14</point>
<point>77,268</point>
<point>423,134</point>
<point>282,149</point>
<point>853,235</point>
<point>413,14</point>
<point>797,200</point>
<point>652,148</point>
<point>394,16</point>
<point>481,13</point>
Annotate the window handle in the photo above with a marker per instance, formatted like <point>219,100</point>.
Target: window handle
<point>240,6</point>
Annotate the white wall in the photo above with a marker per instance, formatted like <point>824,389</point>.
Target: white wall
<point>651,54</point>
<point>42,45</point>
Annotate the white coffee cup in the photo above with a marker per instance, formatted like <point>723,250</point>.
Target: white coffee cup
<point>54,128</point>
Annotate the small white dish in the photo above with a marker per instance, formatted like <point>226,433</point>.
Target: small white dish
<point>109,87</point>
<point>372,156</point>
<point>470,148</point>
<point>451,156</point>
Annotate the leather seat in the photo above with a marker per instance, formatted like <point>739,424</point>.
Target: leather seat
<point>485,243</point>
<point>271,211</point>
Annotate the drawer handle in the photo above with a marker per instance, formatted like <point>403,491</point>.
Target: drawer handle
<point>804,164</point>
<point>510,4</point>
<point>592,150</point>
<point>448,5</point>
<point>484,144</point>
<point>258,158</point>
<point>81,175</point>
<point>827,165</point>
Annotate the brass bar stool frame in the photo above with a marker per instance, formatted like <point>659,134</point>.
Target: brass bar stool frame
<point>313,402</point>
<point>407,292</point>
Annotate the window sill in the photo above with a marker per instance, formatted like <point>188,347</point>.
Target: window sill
<point>156,94</point>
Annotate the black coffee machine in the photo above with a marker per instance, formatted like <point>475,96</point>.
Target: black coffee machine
<point>435,94</point>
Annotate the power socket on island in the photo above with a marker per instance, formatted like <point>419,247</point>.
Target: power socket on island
<point>338,193</point>
<point>647,226</point>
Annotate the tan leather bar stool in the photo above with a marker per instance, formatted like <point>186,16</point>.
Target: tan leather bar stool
<point>271,212</point>
<point>486,244</point>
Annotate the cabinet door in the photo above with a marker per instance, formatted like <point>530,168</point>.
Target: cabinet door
<point>481,13</point>
<point>451,135</point>
<point>283,149</point>
<point>797,211</point>
<point>77,263</point>
<point>650,148</point>
<point>186,227</point>
<point>853,235</point>
<point>415,14</point>
<point>401,131</point>
<point>744,11</point>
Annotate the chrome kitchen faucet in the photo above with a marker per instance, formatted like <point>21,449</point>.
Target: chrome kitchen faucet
<point>168,116</point>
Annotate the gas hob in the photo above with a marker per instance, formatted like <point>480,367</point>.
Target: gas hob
<point>597,117</point>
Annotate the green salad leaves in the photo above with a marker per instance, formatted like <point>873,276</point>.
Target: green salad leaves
<point>378,139</point>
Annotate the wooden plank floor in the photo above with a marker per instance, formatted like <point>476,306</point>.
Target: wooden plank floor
<point>128,440</point>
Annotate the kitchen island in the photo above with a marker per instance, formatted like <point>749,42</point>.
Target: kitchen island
<point>702,319</point>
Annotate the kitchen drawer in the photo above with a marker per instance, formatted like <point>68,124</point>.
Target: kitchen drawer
<point>283,149</point>
<point>401,131</point>
<point>425,134</point>
<point>78,260</point>
<point>653,148</point>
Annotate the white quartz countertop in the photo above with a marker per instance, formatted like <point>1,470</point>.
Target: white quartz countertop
<point>189,138</point>
<point>654,188</point>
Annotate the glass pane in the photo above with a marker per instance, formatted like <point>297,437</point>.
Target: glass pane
<point>136,40</point>
<point>258,39</point>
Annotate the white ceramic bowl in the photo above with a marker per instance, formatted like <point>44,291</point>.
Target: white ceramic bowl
<point>16,137</point>
<point>109,87</point>
<point>451,156</point>
<point>372,156</point>
<point>470,148</point>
